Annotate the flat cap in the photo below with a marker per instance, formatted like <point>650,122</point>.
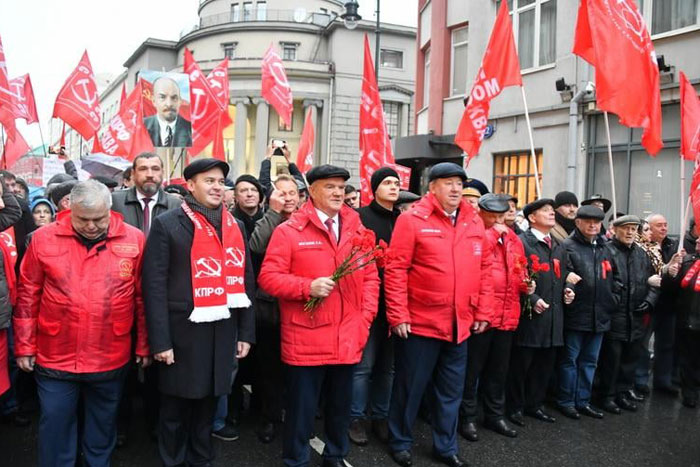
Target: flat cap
<point>58,192</point>
<point>493,203</point>
<point>446,170</point>
<point>406,196</point>
<point>506,197</point>
<point>565,197</point>
<point>536,205</point>
<point>106,181</point>
<point>590,212</point>
<point>321,172</point>
<point>59,178</point>
<point>628,219</point>
<point>474,187</point>
<point>203,165</point>
<point>606,202</point>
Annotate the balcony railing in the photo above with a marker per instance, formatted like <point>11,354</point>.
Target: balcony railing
<point>299,15</point>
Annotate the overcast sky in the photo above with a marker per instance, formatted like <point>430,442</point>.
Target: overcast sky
<point>46,38</point>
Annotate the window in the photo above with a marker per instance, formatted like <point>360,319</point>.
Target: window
<point>391,58</point>
<point>425,18</point>
<point>426,79</point>
<point>669,15</point>
<point>459,61</point>
<point>261,9</point>
<point>229,50</point>
<point>392,116</point>
<point>247,11</point>
<point>235,13</point>
<point>289,50</point>
<point>535,29</point>
<point>513,174</point>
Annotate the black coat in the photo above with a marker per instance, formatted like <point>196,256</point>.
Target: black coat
<point>182,136</point>
<point>126,203</point>
<point>686,300</point>
<point>205,353</point>
<point>667,300</point>
<point>249,224</point>
<point>634,296</point>
<point>544,330</point>
<point>23,229</point>
<point>594,302</point>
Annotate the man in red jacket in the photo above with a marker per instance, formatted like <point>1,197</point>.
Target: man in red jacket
<point>320,347</point>
<point>438,290</point>
<point>79,296</point>
<point>489,352</point>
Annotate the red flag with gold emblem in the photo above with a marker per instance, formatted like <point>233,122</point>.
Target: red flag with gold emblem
<point>77,103</point>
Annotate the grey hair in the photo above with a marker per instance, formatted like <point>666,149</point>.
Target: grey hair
<point>651,217</point>
<point>90,194</point>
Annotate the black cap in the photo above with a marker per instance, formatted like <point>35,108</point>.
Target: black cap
<point>590,212</point>
<point>57,192</point>
<point>493,203</point>
<point>203,165</point>
<point>59,178</point>
<point>380,174</point>
<point>606,202</point>
<point>474,187</point>
<point>324,171</point>
<point>106,181</point>
<point>565,197</point>
<point>252,180</point>
<point>176,189</point>
<point>229,184</point>
<point>506,197</point>
<point>446,170</point>
<point>406,196</point>
<point>537,204</point>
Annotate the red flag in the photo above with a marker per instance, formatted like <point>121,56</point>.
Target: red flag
<point>126,134</point>
<point>305,154</point>
<point>77,103</point>
<point>500,68</point>
<point>96,146</point>
<point>690,121</point>
<point>375,147</point>
<point>7,118</point>
<point>611,35</point>
<point>23,104</point>
<point>122,99</point>
<point>275,86</point>
<point>218,150</point>
<point>218,81</point>
<point>205,107</point>
<point>14,150</point>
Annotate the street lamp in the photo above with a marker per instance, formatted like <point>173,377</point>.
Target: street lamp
<point>351,16</point>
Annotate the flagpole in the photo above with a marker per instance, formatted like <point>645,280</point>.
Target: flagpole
<point>532,145</point>
<point>41,134</point>
<point>682,195</point>
<point>684,225</point>
<point>612,169</point>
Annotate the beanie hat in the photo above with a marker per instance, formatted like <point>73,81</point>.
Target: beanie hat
<point>380,174</point>
<point>565,197</point>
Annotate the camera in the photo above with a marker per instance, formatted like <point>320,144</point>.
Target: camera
<point>278,144</point>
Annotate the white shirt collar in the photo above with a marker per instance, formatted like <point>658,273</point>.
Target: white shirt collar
<point>140,196</point>
<point>539,235</point>
<point>324,217</point>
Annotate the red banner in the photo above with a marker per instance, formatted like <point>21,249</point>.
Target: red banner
<point>205,107</point>
<point>7,118</point>
<point>690,121</point>
<point>77,103</point>
<point>122,99</point>
<point>14,150</point>
<point>500,68</point>
<point>126,135</point>
<point>611,35</point>
<point>23,103</point>
<point>275,86</point>
<point>305,154</point>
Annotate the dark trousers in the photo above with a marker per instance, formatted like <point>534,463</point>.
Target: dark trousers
<point>374,375</point>
<point>663,326</point>
<point>304,387</point>
<point>184,433</point>
<point>689,362</point>
<point>143,383</point>
<point>616,367</point>
<point>531,370</point>
<point>268,380</point>
<point>58,423</point>
<point>578,362</point>
<point>418,361</point>
<point>488,358</point>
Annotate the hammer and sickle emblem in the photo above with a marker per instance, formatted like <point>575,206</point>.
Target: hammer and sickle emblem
<point>235,257</point>
<point>86,98</point>
<point>207,267</point>
<point>7,239</point>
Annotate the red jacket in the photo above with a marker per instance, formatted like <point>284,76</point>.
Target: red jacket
<point>441,274</point>
<point>75,308</point>
<point>301,250</point>
<point>506,279</point>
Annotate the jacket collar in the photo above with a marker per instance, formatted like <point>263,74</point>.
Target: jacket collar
<point>429,205</point>
<point>349,221</point>
<point>578,236</point>
<point>382,211</point>
<point>65,228</point>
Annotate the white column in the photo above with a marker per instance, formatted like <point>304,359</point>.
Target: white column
<point>262,123</point>
<point>238,165</point>
<point>403,131</point>
<point>315,104</point>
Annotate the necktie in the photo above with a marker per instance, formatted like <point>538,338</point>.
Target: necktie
<point>146,215</point>
<point>329,225</point>
<point>548,241</point>
<point>169,137</point>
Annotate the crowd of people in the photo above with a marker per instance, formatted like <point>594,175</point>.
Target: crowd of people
<point>453,304</point>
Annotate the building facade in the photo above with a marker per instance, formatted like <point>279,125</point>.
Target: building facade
<point>452,37</point>
<point>323,61</point>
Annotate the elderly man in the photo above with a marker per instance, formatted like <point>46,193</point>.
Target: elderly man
<point>635,288</point>
<point>79,296</point>
<point>321,346</point>
<point>540,330</point>
<point>565,206</point>
<point>587,317</point>
<point>472,190</point>
<point>438,290</point>
<point>198,284</point>
<point>168,128</point>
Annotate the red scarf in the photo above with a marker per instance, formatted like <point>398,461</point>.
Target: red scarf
<point>9,254</point>
<point>214,292</point>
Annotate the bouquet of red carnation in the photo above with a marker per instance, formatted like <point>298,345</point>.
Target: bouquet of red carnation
<point>364,252</point>
<point>533,269</point>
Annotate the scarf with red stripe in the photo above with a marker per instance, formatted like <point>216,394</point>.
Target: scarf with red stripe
<point>218,268</point>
